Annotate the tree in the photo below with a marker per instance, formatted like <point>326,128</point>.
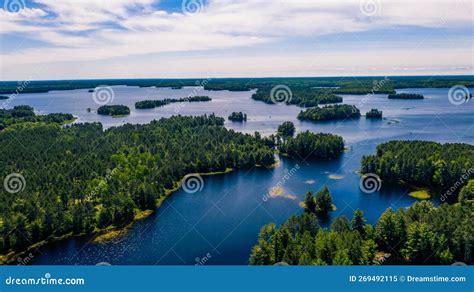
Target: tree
<point>309,203</point>
<point>287,129</point>
<point>340,224</point>
<point>323,202</point>
<point>358,221</point>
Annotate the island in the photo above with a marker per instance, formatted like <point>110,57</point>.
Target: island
<point>148,104</point>
<point>330,113</point>
<point>237,117</point>
<point>287,129</point>
<point>90,90</point>
<point>303,97</point>
<point>373,114</point>
<point>405,96</point>
<point>24,114</point>
<point>308,145</point>
<point>4,97</point>
<point>113,110</point>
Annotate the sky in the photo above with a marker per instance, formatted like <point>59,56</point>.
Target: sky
<point>88,39</point>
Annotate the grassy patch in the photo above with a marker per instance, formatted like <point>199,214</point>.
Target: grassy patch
<point>420,194</point>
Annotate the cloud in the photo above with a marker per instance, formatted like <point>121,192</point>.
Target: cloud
<point>101,30</point>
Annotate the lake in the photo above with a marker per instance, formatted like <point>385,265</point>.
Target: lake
<point>220,223</point>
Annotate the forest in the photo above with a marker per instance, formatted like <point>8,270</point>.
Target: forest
<point>147,104</point>
<point>113,110</point>
<point>330,113</point>
<point>338,85</point>
<point>25,114</point>
<point>237,117</point>
<point>405,96</point>
<point>420,235</point>
<point>309,145</point>
<point>80,179</point>
<point>301,96</point>
<point>422,163</point>
<point>287,129</point>
<point>373,114</point>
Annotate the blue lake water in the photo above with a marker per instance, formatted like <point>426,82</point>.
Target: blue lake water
<point>220,224</point>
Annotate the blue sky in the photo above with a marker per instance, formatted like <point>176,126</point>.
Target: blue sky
<point>66,39</point>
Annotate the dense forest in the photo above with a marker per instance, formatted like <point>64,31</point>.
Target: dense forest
<point>419,235</point>
<point>147,104</point>
<point>373,114</point>
<point>337,85</point>
<point>24,114</point>
<point>405,96</point>
<point>301,96</point>
<point>330,113</point>
<point>113,110</point>
<point>80,178</point>
<point>422,163</point>
<point>309,145</point>
<point>237,117</point>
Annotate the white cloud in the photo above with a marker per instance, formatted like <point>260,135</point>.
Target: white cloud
<point>127,28</point>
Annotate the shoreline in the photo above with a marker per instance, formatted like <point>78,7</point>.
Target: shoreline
<point>105,235</point>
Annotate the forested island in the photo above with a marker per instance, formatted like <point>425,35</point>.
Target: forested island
<point>303,97</point>
<point>147,104</point>
<point>113,110</point>
<point>25,114</point>
<point>82,179</point>
<point>330,113</point>
<point>287,129</point>
<point>422,163</point>
<point>237,117</point>
<point>4,97</point>
<point>373,114</point>
<point>309,145</point>
<point>418,235</point>
<point>405,96</point>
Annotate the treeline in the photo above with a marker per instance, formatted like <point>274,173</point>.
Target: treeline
<point>422,163</point>
<point>330,113</point>
<point>405,96</point>
<point>309,145</point>
<point>113,110</point>
<point>79,178</point>
<point>24,114</point>
<point>237,117</point>
<point>418,235</point>
<point>147,104</point>
<point>336,85</point>
<point>301,96</point>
